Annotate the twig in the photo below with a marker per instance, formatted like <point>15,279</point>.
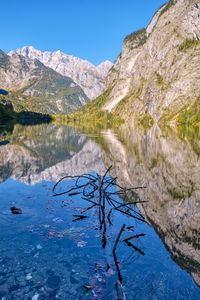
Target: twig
<point>90,201</point>
<point>73,194</point>
<point>118,237</point>
<point>69,176</point>
<point>79,217</point>
<point>134,247</point>
<point>108,217</point>
<point>111,182</point>
<point>117,267</point>
<point>88,208</point>
<point>106,172</point>
<point>134,236</point>
<point>122,288</point>
<point>130,215</point>
<point>129,203</point>
<point>96,188</point>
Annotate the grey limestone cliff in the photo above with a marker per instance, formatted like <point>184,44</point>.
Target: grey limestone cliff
<point>157,72</point>
<point>89,77</point>
<point>49,91</point>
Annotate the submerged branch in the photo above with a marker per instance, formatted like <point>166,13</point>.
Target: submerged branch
<point>98,191</point>
<point>134,247</point>
<point>118,237</point>
<point>134,236</point>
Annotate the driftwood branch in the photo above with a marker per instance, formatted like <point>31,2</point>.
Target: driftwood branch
<point>118,237</point>
<point>98,191</point>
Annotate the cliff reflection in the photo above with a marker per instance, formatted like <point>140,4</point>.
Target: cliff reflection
<point>168,163</point>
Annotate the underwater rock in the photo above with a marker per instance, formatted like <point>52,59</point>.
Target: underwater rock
<point>28,276</point>
<point>35,297</point>
<point>16,210</point>
<point>39,247</point>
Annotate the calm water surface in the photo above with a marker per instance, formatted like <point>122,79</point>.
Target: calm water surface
<point>45,254</point>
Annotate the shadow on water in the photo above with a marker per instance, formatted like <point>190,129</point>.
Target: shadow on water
<point>25,118</point>
<point>32,118</point>
<point>7,113</point>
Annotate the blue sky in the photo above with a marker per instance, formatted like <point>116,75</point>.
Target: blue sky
<point>90,29</point>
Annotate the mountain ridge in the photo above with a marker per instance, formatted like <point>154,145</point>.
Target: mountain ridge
<point>33,86</point>
<point>89,77</point>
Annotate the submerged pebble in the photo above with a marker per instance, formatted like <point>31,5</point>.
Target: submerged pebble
<point>35,297</point>
<point>39,247</point>
<point>28,276</point>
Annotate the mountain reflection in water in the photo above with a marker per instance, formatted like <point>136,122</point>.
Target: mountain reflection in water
<point>165,161</point>
<point>47,152</point>
<point>170,167</point>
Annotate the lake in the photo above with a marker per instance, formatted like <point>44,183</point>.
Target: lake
<point>142,243</point>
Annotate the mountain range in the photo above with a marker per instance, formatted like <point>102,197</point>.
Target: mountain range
<point>35,87</point>
<point>28,84</point>
<point>89,77</point>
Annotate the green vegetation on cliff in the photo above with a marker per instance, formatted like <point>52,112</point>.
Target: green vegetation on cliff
<point>22,116</point>
<point>138,37</point>
<point>23,103</point>
<point>41,103</point>
<point>5,113</point>
<point>167,6</point>
<point>147,121</point>
<point>92,112</point>
<point>188,44</point>
<point>190,115</point>
<point>159,79</point>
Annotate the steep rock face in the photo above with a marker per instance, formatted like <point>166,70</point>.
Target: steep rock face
<point>50,91</point>
<point>89,77</point>
<point>157,72</point>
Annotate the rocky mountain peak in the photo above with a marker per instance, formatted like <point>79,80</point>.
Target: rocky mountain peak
<point>104,67</point>
<point>36,87</point>
<point>89,77</point>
